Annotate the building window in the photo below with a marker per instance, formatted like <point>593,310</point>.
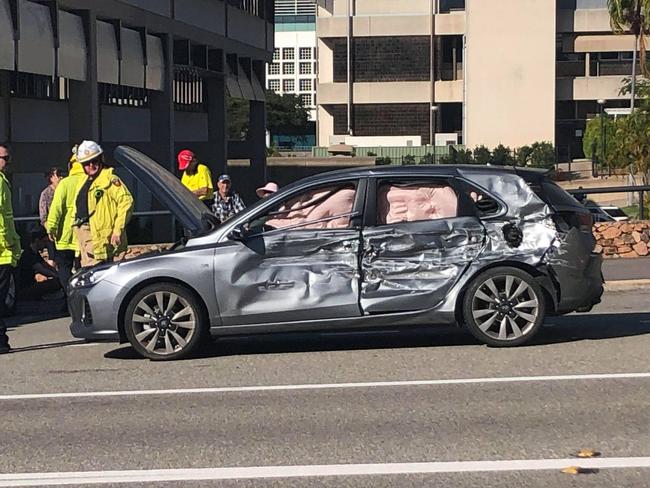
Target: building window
<point>276,54</point>
<point>305,53</point>
<point>274,68</point>
<point>288,68</point>
<point>120,95</point>
<point>305,68</point>
<point>288,53</point>
<point>306,99</point>
<point>288,85</point>
<point>274,85</point>
<point>305,85</point>
<point>189,91</point>
<point>27,85</point>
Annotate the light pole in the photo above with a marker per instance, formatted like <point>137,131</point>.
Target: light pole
<point>434,119</point>
<point>601,104</point>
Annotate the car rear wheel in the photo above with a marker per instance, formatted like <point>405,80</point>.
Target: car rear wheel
<point>165,322</point>
<point>504,307</point>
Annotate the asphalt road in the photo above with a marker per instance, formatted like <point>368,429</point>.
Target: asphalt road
<point>337,403</point>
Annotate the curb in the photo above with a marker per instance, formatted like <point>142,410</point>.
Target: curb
<point>627,285</point>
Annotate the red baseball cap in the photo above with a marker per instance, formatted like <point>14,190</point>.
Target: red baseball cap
<point>185,157</point>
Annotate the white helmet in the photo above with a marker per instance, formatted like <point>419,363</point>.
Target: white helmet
<point>88,150</point>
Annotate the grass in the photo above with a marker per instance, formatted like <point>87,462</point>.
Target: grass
<point>633,211</point>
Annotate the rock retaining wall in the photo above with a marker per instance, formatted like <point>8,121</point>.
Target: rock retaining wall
<point>623,239</point>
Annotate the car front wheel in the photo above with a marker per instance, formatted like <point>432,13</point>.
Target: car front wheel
<point>504,307</point>
<point>164,322</point>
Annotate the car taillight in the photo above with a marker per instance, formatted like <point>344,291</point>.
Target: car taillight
<point>585,221</point>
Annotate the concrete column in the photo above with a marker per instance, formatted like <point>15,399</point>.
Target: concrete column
<point>161,107</point>
<point>84,95</point>
<point>5,112</point>
<point>587,64</point>
<point>161,104</point>
<point>217,136</point>
<point>257,139</point>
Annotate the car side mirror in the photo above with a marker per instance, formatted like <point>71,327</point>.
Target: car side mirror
<point>238,233</point>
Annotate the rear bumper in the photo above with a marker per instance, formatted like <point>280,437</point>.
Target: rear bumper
<point>580,288</point>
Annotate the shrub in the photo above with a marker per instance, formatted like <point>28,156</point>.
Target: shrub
<point>408,159</point>
<point>482,155</point>
<point>383,161</point>
<point>502,156</point>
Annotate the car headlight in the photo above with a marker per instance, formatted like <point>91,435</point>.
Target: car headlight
<point>91,277</point>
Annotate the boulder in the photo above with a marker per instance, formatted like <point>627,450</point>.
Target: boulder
<point>611,232</point>
<point>641,249</point>
<point>628,255</point>
<point>623,249</point>
<point>636,235</point>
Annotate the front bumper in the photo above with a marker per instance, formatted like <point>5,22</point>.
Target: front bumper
<point>94,312</point>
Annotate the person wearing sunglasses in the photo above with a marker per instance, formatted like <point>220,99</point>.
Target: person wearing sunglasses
<point>9,246</point>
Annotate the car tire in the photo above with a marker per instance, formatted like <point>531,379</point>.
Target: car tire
<point>504,307</point>
<point>165,321</point>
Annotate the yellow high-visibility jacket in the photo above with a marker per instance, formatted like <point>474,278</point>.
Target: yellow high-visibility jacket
<point>9,239</point>
<point>109,204</point>
<point>60,220</point>
<point>201,179</point>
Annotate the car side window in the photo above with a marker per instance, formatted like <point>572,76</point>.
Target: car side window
<point>413,201</point>
<point>325,207</point>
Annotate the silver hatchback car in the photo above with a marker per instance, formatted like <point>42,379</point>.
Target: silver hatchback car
<point>491,249</point>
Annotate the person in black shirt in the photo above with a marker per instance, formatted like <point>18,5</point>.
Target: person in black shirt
<point>31,263</point>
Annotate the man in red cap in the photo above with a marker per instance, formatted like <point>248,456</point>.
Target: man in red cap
<point>196,176</point>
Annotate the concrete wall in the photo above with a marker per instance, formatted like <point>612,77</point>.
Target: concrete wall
<point>191,126</point>
<point>161,7</point>
<point>207,14</point>
<point>39,121</point>
<point>510,81</point>
<point>125,124</point>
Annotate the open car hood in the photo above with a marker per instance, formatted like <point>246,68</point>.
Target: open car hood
<point>193,215</point>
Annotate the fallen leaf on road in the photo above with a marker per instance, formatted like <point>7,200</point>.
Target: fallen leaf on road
<point>571,470</point>
<point>587,453</point>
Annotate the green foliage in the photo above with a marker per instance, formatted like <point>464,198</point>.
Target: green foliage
<point>591,138</point>
<point>286,114</point>
<point>631,143</point>
<point>502,156</point>
<point>542,155</point>
<point>482,155</point>
<point>523,155</point>
<point>238,111</point>
<point>427,159</point>
<point>370,153</point>
<point>383,161</point>
<point>408,159</point>
<point>458,156</point>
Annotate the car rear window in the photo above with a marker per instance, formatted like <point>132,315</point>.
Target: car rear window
<point>553,194</point>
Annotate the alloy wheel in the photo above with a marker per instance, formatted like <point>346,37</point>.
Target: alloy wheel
<point>163,323</point>
<point>505,307</point>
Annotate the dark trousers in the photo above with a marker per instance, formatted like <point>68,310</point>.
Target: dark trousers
<point>64,261</point>
<point>5,280</point>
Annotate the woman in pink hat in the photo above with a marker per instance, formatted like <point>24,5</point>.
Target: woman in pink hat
<point>269,189</point>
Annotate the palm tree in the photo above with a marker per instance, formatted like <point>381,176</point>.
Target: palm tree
<point>632,17</point>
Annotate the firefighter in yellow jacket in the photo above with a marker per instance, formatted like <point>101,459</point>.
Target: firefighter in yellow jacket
<point>61,217</point>
<point>9,247</point>
<point>103,208</point>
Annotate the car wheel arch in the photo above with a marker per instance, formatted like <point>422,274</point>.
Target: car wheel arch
<point>546,283</point>
<point>149,281</point>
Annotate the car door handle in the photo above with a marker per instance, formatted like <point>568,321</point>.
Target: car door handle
<point>279,285</point>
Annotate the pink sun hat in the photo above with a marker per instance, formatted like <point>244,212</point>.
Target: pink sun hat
<point>270,187</point>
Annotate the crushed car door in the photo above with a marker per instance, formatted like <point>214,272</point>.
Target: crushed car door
<point>299,260</point>
<point>423,238</point>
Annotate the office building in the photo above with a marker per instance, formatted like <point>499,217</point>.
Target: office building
<point>406,72</point>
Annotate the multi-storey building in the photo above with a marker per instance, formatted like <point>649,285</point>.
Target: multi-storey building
<point>479,71</point>
<point>293,69</point>
<point>152,74</point>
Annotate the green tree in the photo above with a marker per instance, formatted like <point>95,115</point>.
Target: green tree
<point>286,114</point>
<point>458,156</point>
<point>632,17</point>
<point>482,155</point>
<point>542,155</point>
<point>631,144</point>
<point>523,155</point>
<point>238,111</point>
<point>592,138</point>
<point>502,156</point>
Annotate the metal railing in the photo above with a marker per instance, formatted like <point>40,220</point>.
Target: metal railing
<point>640,189</point>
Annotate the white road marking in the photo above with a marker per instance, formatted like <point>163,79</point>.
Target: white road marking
<point>259,472</point>
<point>328,386</point>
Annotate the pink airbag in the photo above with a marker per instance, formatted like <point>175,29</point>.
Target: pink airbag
<point>299,210</point>
<point>413,203</point>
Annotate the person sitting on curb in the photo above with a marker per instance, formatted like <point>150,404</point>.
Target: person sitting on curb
<point>32,263</point>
